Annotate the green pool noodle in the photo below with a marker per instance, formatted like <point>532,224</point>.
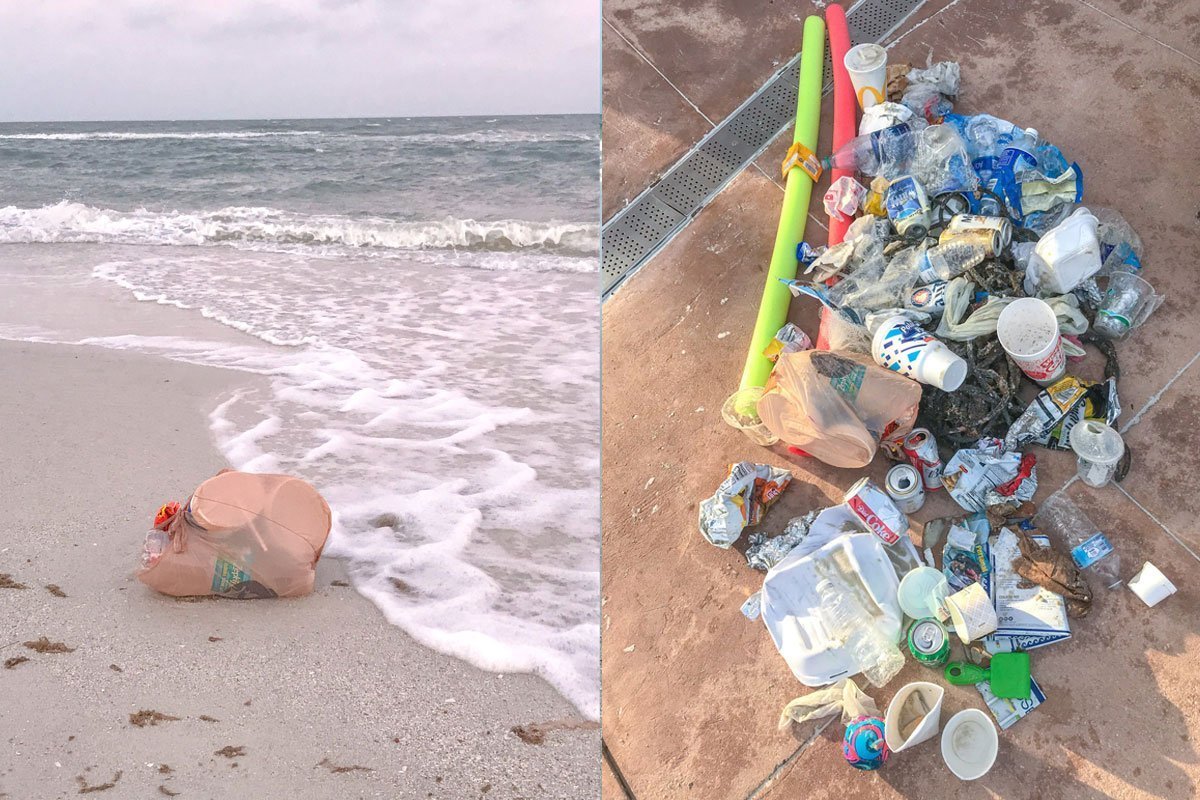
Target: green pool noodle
<point>773,311</point>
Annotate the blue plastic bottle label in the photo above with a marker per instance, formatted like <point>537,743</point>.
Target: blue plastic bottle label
<point>1091,551</point>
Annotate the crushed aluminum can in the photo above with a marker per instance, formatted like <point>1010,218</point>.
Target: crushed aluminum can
<point>904,486</point>
<point>907,204</point>
<point>988,238</point>
<point>930,298</point>
<point>922,451</point>
<point>874,509</point>
<point>964,223</point>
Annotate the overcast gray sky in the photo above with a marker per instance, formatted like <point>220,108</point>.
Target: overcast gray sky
<point>251,59</point>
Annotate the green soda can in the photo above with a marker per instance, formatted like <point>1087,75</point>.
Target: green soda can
<point>928,642</point>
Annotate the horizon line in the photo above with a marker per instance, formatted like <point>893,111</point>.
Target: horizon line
<point>300,119</point>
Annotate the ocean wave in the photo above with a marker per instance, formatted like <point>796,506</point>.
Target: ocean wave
<point>270,229</point>
<point>133,135</point>
<point>498,137</point>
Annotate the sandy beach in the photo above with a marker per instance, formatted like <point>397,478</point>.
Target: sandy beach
<point>315,697</point>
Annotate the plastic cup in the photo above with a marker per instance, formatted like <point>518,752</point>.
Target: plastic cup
<point>972,613</point>
<point>867,65</point>
<point>970,744</point>
<point>1151,585</point>
<point>922,592</point>
<point>741,412</point>
<point>894,721</point>
<point>903,346</point>
<point>1128,300</point>
<point>1098,448</point>
<point>1028,332</point>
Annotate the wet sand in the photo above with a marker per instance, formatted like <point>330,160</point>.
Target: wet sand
<point>315,697</point>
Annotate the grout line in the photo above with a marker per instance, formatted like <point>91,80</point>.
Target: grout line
<point>899,38</point>
<point>766,175</point>
<point>787,762</point>
<point>1140,32</point>
<point>611,760</point>
<point>1154,398</point>
<point>1157,521</point>
<point>646,58</point>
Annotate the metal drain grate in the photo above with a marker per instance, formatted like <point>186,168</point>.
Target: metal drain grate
<point>638,231</point>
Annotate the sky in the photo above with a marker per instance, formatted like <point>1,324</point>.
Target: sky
<point>255,59</point>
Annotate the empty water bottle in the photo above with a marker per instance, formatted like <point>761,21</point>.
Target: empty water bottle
<point>946,261</point>
<point>153,547</point>
<point>846,620</point>
<point>1091,550</point>
<point>886,152</point>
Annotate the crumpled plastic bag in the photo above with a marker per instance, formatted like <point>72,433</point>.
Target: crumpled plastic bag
<point>843,696</point>
<point>843,197</point>
<point>958,327</point>
<point>986,475</point>
<point>741,500</point>
<point>883,115</point>
<point>943,76</point>
<point>837,406</point>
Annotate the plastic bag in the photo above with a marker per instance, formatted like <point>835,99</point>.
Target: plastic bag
<point>843,696</point>
<point>837,406</point>
<point>244,536</point>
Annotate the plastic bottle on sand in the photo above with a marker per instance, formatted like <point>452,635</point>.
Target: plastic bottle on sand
<point>946,261</point>
<point>885,152</point>
<point>846,620</point>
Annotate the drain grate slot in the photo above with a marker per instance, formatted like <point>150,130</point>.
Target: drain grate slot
<point>634,234</point>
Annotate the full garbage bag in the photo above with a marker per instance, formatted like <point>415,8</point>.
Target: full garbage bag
<point>837,406</point>
<point>243,535</point>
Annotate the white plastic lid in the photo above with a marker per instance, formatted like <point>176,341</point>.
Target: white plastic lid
<point>1096,442</point>
<point>865,58</point>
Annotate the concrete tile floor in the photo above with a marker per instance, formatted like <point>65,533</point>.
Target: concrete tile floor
<point>693,690</point>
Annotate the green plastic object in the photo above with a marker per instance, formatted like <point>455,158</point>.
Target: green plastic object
<point>773,310</point>
<point>1008,676</point>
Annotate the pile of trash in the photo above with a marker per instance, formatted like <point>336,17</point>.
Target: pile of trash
<point>971,268</point>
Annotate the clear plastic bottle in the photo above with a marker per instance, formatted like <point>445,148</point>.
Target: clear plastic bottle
<point>846,620</point>
<point>946,261</point>
<point>1090,548</point>
<point>887,152</point>
<point>153,547</point>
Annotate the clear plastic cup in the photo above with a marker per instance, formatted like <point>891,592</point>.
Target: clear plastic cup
<point>1098,448</point>
<point>1128,300</point>
<point>741,412</point>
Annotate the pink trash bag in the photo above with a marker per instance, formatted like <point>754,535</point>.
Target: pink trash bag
<point>837,406</point>
<point>240,535</point>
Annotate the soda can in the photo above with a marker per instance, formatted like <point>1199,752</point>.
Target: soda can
<point>874,509</point>
<point>961,223</point>
<point>921,449</point>
<point>928,642</point>
<point>907,203</point>
<point>990,239</point>
<point>930,298</point>
<point>905,487</point>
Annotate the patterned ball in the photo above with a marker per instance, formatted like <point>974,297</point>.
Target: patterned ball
<point>863,745</point>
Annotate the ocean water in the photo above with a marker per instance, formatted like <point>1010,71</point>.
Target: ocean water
<point>419,300</point>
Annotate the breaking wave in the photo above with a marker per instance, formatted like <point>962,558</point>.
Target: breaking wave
<point>272,229</point>
<point>131,135</point>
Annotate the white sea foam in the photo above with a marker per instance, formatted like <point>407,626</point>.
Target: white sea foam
<point>451,424</point>
<point>140,135</point>
<point>268,229</point>
<point>498,137</point>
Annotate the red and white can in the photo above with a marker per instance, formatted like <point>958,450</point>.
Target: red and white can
<point>876,511</point>
<point>922,451</point>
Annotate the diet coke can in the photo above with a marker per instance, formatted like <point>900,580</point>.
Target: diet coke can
<point>876,511</point>
<point>922,451</point>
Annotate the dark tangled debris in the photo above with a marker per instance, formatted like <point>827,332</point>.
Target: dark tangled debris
<point>44,645</point>
<point>338,770</point>
<point>535,732</point>
<point>7,582</point>
<point>985,405</point>
<point>230,751</point>
<point>84,788</point>
<point>207,718</point>
<point>54,589</point>
<point>15,661</point>
<point>149,718</point>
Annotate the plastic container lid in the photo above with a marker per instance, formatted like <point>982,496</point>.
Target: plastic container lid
<point>970,744</point>
<point>921,591</point>
<point>1097,442</point>
<point>865,58</point>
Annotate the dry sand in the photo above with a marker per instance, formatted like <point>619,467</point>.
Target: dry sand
<point>316,697</point>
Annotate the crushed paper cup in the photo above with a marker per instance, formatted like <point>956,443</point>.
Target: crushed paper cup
<point>843,198</point>
<point>972,613</point>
